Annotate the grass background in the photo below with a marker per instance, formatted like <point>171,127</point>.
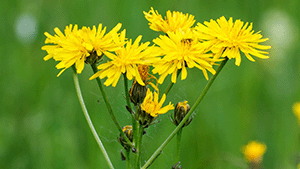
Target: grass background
<point>42,125</point>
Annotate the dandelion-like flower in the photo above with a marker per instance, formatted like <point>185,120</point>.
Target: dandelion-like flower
<point>181,50</point>
<point>296,110</point>
<point>254,151</point>
<point>173,21</point>
<point>76,45</point>
<point>228,39</point>
<point>152,106</point>
<point>126,60</point>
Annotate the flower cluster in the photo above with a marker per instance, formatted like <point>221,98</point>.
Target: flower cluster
<point>181,47</point>
<point>203,45</point>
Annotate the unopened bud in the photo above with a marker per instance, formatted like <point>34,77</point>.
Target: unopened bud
<point>129,133</point>
<point>137,93</point>
<point>181,109</point>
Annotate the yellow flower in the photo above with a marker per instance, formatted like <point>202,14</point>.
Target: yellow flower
<point>172,22</point>
<point>228,39</point>
<point>151,105</point>
<point>126,60</point>
<point>78,44</point>
<point>254,151</point>
<point>296,110</point>
<point>181,50</point>
<point>102,42</point>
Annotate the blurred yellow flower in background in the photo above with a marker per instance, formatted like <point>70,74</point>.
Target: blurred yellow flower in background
<point>228,38</point>
<point>172,22</point>
<point>254,151</point>
<point>296,110</point>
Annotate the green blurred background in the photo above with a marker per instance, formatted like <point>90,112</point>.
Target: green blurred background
<point>42,125</point>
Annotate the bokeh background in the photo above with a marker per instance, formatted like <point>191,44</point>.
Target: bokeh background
<point>42,125</point>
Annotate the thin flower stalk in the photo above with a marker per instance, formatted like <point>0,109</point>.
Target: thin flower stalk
<point>88,119</point>
<point>138,144</point>
<point>171,83</point>
<point>178,145</point>
<point>126,90</point>
<point>128,159</point>
<point>109,107</point>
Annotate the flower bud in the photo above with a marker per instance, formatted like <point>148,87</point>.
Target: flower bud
<point>129,133</point>
<point>181,109</point>
<point>137,93</point>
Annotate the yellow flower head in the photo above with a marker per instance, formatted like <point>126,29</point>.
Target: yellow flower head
<point>296,110</point>
<point>102,42</point>
<point>76,45</point>
<point>254,151</point>
<point>181,50</point>
<point>151,105</point>
<point>126,60</point>
<point>228,39</point>
<point>172,22</point>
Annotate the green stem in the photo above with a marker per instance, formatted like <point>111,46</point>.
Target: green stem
<point>126,90</point>
<point>134,123</point>
<point>88,119</point>
<point>94,67</point>
<point>178,146</point>
<point>157,152</point>
<point>171,84</point>
<point>138,144</point>
<point>128,160</point>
